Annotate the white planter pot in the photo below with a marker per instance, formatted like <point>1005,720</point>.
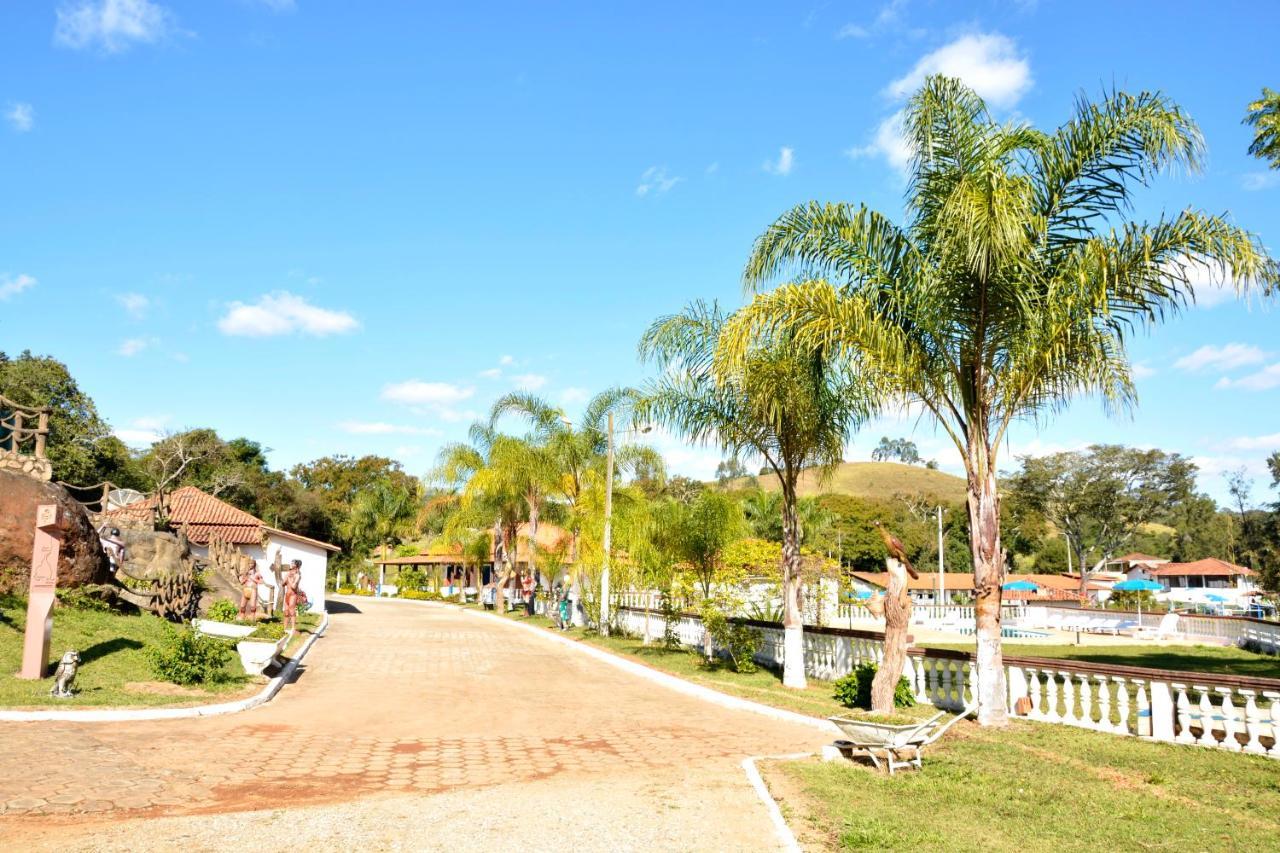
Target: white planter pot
<point>222,629</point>
<point>257,655</point>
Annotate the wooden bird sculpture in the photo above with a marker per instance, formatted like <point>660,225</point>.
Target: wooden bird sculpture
<point>896,551</point>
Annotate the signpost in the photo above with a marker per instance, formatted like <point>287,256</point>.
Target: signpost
<point>50,522</point>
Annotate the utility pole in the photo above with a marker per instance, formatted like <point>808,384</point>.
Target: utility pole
<point>608,532</point>
<point>941,586</point>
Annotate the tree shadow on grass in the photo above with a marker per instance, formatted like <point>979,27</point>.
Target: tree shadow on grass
<point>107,647</point>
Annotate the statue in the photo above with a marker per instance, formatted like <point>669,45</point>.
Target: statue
<point>113,546</point>
<point>896,607</point>
<point>65,675</point>
<point>292,595</point>
<point>249,578</point>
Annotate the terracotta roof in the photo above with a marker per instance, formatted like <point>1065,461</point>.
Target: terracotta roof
<point>927,580</point>
<point>204,516</point>
<point>550,536</point>
<point>1138,557</point>
<point>1208,566</point>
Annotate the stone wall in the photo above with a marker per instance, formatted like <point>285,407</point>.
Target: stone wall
<point>40,469</point>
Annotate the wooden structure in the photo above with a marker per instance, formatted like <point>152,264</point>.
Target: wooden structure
<point>24,434</point>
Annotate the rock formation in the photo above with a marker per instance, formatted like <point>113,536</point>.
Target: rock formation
<point>82,561</point>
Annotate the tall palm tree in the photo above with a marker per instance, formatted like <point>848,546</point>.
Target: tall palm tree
<point>791,406</point>
<point>1010,288</point>
<point>1264,117</point>
<point>382,515</point>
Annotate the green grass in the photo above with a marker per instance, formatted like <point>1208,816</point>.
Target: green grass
<point>1035,787</point>
<point>112,649</point>
<point>1222,660</point>
<point>874,480</point>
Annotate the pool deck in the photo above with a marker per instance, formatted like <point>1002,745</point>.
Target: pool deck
<point>925,635</point>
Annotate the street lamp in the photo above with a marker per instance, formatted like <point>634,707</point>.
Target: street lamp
<point>608,516</point>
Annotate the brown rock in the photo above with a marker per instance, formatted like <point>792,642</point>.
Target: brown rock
<point>82,561</point>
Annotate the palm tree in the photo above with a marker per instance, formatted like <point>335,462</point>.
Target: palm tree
<point>382,515</point>
<point>1264,118</point>
<point>1009,290</point>
<point>793,407</point>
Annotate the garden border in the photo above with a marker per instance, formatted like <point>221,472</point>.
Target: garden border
<point>101,715</point>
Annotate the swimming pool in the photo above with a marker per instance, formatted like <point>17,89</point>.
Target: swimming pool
<point>1016,633</point>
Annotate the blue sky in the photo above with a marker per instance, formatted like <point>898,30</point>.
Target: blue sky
<point>346,228</point>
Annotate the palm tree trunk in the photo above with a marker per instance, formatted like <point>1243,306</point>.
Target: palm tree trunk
<point>988,575</point>
<point>792,615</point>
<point>533,539</point>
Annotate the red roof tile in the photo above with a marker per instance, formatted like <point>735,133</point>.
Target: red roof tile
<point>1211,566</point>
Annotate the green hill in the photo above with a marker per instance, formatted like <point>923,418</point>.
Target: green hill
<point>875,480</point>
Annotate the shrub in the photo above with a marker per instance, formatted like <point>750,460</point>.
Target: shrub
<point>186,657</point>
<point>739,641</point>
<point>854,690</point>
<point>364,592</point>
<point>346,590</point>
<point>268,630</point>
<point>81,599</point>
<point>411,579</point>
<point>418,595</point>
<point>222,611</point>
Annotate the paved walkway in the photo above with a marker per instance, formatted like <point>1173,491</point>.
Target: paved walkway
<point>410,727</point>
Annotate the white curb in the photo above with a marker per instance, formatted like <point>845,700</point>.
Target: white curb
<point>784,833</point>
<point>266,694</point>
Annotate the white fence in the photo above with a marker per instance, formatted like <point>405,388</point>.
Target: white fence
<point>1233,630</point>
<point>1237,714</point>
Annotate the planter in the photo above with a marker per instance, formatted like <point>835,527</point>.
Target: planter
<point>257,655</point>
<point>222,629</point>
<point>889,735</point>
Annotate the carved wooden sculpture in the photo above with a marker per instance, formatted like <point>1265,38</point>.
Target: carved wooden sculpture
<point>896,606</point>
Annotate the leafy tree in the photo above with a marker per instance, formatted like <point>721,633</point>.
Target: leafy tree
<point>697,533</point>
<point>792,406</point>
<point>682,489</point>
<point>1264,117</point>
<point>730,469</point>
<point>1009,290</point>
<point>80,446</point>
<point>902,449</point>
<point>1102,496</point>
<point>382,515</point>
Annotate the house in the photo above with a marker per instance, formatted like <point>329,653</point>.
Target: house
<point>205,517</point>
<point>1136,560</point>
<point>924,590</point>
<point>448,565</point>
<point>1209,582</point>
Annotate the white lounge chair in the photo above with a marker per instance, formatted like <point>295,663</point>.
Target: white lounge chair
<point>1167,629</point>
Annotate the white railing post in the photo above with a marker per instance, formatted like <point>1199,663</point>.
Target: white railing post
<point>1164,711</point>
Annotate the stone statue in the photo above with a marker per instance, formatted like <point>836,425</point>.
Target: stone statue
<point>65,675</point>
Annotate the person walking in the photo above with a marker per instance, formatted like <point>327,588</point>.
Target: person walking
<point>530,587</point>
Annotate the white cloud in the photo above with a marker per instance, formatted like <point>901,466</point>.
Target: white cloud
<point>112,25</point>
<point>890,142</point>
<point>571,396</point>
<point>783,165</point>
<point>852,31</point>
<point>656,180</point>
<point>988,63</point>
<point>415,392</point>
<point>143,431</point>
<point>529,381</point>
<point>1225,357</point>
<point>382,428</point>
<point>491,373</point>
<point>278,5</point>
<point>1254,181</point>
<point>506,361</point>
<point>1255,442</point>
<point>11,286</point>
<point>282,313</point>
<point>134,304</point>
<point>21,116</point>
<point>712,168</point>
<point>1263,380</point>
<point>1142,370</point>
<point>132,347</point>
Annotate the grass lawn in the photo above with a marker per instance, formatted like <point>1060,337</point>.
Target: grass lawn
<point>1225,660</point>
<point>114,670</point>
<point>1040,787</point>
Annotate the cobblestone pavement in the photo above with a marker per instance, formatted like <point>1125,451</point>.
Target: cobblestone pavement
<point>407,699</point>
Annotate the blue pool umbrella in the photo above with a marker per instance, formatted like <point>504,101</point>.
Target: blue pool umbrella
<point>1136,585</point>
<point>1020,586</point>
<point>862,593</point>
<point>1220,599</point>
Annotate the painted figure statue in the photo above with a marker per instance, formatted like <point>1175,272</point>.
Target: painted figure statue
<point>249,579</point>
<point>292,595</point>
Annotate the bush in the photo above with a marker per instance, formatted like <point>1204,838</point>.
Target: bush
<point>365,592</point>
<point>739,641</point>
<point>854,690</point>
<point>268,630</point>
<point>222,611</point>
<point>346,590</point>
<point>81,599</point>
<point>186,657</point>
<point>418,595</point>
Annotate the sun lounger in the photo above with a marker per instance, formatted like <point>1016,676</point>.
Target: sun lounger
<point>1167,629</point>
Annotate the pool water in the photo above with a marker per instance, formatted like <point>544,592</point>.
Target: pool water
<point>1016,633</point>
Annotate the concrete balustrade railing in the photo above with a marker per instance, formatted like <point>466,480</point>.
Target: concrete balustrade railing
<point>1232,630</point>
<point>1222,712</point>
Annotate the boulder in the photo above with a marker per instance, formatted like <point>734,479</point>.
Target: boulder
<point>81,561</point>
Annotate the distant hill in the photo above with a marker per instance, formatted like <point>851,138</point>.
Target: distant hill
<point>874,480</point>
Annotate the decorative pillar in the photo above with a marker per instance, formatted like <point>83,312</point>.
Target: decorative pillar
<point>50,523</point>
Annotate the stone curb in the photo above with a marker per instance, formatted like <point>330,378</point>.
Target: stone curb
<point>266,694</point>
<point>786,837</point>
<point>670,681</point>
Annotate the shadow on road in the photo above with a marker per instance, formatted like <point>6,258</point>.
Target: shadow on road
<point>340,607</point>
